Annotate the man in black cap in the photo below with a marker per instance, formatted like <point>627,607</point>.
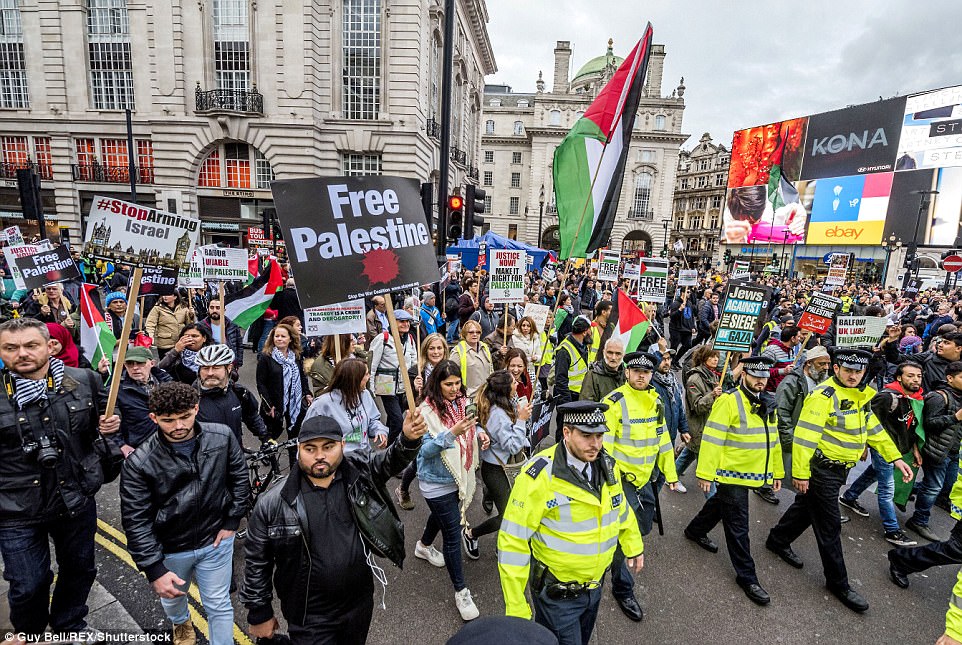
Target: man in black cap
<point>566,514</point>
<point>739,451</point>
<point>571,365</point>
<point>835,424</point>
<point>316,531</point>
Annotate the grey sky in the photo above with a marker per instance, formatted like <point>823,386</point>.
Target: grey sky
<point>745,63</point>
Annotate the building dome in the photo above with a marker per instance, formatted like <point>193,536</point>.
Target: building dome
<point>597,65</point>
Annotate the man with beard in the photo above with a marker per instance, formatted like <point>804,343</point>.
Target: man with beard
<point>898,408</point>
<point>315,532</point>
<point>141,376</point>
<point>739,451</point>
<point>235,337</point>
<point>223,400</point>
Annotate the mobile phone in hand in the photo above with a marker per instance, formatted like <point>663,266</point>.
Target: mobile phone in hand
<point>471,410</point>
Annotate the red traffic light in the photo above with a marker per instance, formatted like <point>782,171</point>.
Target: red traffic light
<point>455,202</point>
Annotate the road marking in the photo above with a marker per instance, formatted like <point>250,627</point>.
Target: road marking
<point>121,553</point>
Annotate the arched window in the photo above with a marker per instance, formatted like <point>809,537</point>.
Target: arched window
<point>660,122</point>
<point>642,201</point>
<point>489,126</point>
<point>518,128</point>
<point>235,165</point>
<point>555,117</point>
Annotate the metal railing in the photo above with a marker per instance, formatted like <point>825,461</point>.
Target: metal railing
<point>433,127</point>
<point>100,173</point>
<point>246,101</point>
<point>9,170</point>
<point>459,156</point>
<point>640,215</point>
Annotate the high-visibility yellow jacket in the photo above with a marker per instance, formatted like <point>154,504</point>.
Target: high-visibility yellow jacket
<point>739,445</point>
<point>953,617</point>
<point>955,497</point>
<point>846,304</point>
<point>577,367</point>
<point>636,436</point>
<point>595,346</point>
<point>547,354</point>
<point>554,517</point>
<point>838,421</point>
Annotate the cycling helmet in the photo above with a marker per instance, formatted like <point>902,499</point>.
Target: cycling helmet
<point>215,355</point>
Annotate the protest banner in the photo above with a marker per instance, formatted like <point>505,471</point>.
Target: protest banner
<point>541,415</point>
<point>193,277</point>
<point>632,271</point>
<point>44,267</point>
<point>740,318</point>
<point>158,281</point>
<point>139,235</point>
<point>539,314</point>
<point>741,270</point>
<point>218,263</point>
<point>12,235</point>
<point>256,239</point>
<point>653,283</point>
<point>687,277</point>
<point>506,284</point>
<point>837,268</point>
<point>549,271</point>
<point>11,253</point>
<point>340,318</point>
<point>818,314</point>
<point>859,331</point>
<point>608,265</point>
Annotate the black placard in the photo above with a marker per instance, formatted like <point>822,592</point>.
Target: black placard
<point>46,267</point>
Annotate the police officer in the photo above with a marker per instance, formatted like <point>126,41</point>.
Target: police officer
<point>571,365</point>
<point>739,451</point>
<point>835,424</point>
<point>566,515</point>
<point>637,441</point>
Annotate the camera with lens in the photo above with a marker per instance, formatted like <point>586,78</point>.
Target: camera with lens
<point>45,450</point>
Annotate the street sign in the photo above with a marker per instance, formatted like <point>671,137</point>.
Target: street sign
<point>952,263</point>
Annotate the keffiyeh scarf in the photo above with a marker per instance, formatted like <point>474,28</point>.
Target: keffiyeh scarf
<point>26,391</point>
<point>188,358</point>
<point>292,382</point>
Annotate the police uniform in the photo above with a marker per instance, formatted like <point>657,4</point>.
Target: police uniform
<point>637,441</point>
<point>740,450</point>
<point>570,367</point>
<point>559,532</point>
<point>833,428</point>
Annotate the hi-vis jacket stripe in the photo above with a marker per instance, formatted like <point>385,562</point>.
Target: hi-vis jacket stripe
<point>578,368</point>
<point>838,421</point>
<point>955,497</point>
<point>739,446</point>
<point>570,529</point>
<point>953,618</point>
<point>636,436</point>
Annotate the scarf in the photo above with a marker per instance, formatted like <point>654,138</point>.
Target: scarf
<point>915,399</point>
<point>69,353</point>
<point>188,358</point>
<point>26,391</point>
<point>292,382</point>
<point>459,459</point>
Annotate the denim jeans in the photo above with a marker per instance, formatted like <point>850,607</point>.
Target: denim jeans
<point>445,518</point>
<point>453,326</point>
<point>932,480</point>
<point>212,568</point>
<point>572,620</point>
<point>686,458</point>
<point>26,567</point>
<point>882,471</point>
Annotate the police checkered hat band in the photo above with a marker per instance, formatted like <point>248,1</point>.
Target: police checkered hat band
<point>587,416</point>
<point>757,365</point>
<point>640,361</point>
<point>854,359</point>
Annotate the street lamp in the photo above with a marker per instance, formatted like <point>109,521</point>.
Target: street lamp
<point>924,197</point>
<point>892,244</point>
<point>540,215</point>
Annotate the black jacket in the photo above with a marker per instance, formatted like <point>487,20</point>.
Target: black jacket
<point>276,550</point>
<point>170,504</point>
<point>135,425</point>
<point>29,493</point>
<point>270,389</point>
<point>682,317</point>
<point>235,338</point>
<point>286,304</point>
<point>894,411</point>
<point>942,429</point>
<point>233,406</point>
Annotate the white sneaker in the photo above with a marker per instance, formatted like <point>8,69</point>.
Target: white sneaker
<point>680,488</point>
<point>429,553</point>
<point>469,611</point>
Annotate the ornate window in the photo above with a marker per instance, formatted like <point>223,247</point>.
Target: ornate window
<point>642,201</point>
<point>235,165</point>
<point>362,59</point>
<point>232,61</point>
<point>13,68</point>
<point>108,44</point>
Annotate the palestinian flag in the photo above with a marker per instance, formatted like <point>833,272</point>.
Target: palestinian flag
<point>249,304</point>
<point>631,324</point>
<point>96,337</point>
<point>589,165</point>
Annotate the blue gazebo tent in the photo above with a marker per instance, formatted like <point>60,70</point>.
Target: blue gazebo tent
<point>470,249</point>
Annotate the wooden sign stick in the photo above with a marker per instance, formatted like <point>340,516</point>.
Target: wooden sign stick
<point>122,343</point>
<point>399,350</point>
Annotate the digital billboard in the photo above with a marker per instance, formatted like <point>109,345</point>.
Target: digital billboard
<point>851,176</point>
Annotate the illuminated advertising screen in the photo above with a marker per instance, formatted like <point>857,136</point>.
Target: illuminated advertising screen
<point>853,176</point>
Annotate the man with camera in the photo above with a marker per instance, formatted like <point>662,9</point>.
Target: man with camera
<point>51,423</point>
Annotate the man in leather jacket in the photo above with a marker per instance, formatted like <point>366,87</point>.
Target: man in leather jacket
<point>51,472</point>
<point>183,493</point>
<point>315,532</point>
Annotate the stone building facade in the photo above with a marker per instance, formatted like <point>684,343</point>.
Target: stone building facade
<point>227,95</point>
<point>699,200</point>
<point>520,132</point>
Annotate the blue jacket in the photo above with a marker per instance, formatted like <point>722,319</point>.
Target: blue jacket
<point>675,418</point>
<point>431,320</point>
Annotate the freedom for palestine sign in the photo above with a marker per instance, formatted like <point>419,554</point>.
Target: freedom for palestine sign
<point>354,237</point>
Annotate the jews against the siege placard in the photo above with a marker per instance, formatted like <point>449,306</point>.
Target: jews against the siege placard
<point>610,261</point>
<point>653,283</point>
<point>688,277</point>
<point>47,266</point>
<point>223,264</point>
<point>354,237</point>
<point>506,283</point>
<point>339,318</point>
<point>859,331</point>
<point>139,235</point>
<point>741,313</point>
<point>818,313</point>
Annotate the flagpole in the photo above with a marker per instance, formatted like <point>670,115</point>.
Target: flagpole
<point>122,343</point>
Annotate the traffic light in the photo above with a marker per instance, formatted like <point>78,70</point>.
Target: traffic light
<point>474,208</point>
<point>774,258</point>
<point>728,256</point>
<point>427,203</point>
<point>455,217</point>
<point>664,252</point>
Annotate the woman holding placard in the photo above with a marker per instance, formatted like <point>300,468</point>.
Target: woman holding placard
<point>348,401</point>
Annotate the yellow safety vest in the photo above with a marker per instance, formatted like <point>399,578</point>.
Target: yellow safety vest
<point>462,349</point>
<point>846,304</point>
<point>770,326</point>
<point>636,438</point>
<point>547,354</point>
<point>953,617</point>
<point>576,375</point>
<point>738,445</point>
<point>570,529</point>
<point>955,497</point>
<point>838,421</point>
<point>595,345</point>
